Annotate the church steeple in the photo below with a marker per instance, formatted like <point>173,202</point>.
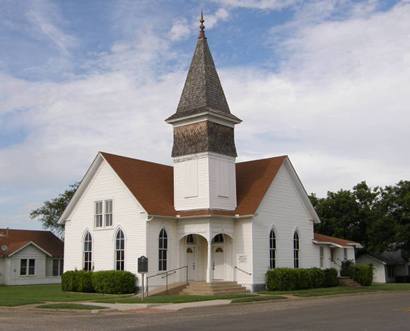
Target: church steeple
<point>203,90</point>
<point>204,149</point>
<point>203,95</point>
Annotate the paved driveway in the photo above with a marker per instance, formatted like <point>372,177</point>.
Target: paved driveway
<point>377,311</point>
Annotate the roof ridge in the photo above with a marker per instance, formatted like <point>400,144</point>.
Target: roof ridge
<point>134,159</point>
<point>266,158</point>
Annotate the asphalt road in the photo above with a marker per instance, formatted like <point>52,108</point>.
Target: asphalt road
<point>376,311</point>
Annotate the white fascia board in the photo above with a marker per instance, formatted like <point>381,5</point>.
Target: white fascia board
<point>204,116</point>
<point>81,188</point>
<point>302,190</point>
<point>28,244</point>
<point>328,243</point>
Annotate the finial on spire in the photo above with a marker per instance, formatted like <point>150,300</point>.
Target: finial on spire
<point>202,26</point>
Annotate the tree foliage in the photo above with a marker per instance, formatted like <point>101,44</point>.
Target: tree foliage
<point>378,218</point>
<point>50,212</point>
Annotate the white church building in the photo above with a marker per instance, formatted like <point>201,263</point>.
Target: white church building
<point>219,219</point>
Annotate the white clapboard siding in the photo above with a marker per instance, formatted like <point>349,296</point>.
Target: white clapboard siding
<point>128,215</point>
<point>283,209</point>
<point>12,268</point>
<point>203,181</point>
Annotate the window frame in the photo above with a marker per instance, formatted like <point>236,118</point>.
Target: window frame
<point>296,250</point>
<point>119,251</point>
<point>322,256</point>
<point>163,250</point>
<point>60,267</point>
<point>29,267</point>
<point>272,249</point>
<point>108,214</point>
<point>98,214</point>
<point>88,252</point>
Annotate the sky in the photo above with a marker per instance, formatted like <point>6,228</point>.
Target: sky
<point>323,81</point>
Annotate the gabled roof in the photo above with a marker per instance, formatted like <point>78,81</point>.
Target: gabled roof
<point>334,241</point>
<point>152,185</point>
<point>202,92</point>
<point>15,240</point>
<point>390,257</point>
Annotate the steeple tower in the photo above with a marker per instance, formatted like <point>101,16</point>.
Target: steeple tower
<point>204,149</point>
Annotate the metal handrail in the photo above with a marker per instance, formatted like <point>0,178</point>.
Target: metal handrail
<point>245,272</point>
<point>166,275</point>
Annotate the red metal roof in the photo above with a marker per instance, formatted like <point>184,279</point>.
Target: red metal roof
<point>17,239</point>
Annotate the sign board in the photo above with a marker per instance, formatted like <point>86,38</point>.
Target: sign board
<point>142,264</point>
<point>242,259</point>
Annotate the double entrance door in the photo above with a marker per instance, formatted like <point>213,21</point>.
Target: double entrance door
<point>193,260</point>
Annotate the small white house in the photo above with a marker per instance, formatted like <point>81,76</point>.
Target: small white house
<point>223,220</point>
<point>30,257</point>
<point>387,266</point>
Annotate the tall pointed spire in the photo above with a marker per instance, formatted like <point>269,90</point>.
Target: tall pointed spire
<point>202,91</point>
<point>202,26</point>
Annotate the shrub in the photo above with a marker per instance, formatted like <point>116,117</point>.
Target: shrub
<point>113,282</point>
<point>345,270</point>
<point>330,277</point>
<point>362,273</point>
<point>77,281</point>
<point>317,277</point>
<point>286,279</point>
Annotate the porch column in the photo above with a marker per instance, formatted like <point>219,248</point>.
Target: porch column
<point>209,263</point>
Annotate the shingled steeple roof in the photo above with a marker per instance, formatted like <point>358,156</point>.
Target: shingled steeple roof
<point>202,91</point>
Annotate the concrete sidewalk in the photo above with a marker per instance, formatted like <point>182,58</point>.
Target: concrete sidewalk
<point>161,306</point>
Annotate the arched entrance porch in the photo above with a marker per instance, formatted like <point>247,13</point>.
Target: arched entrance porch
<point>207,262</point>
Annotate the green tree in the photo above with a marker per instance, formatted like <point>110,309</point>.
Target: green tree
<point>50,212</point>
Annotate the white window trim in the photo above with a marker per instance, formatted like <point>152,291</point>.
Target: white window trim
<point>27,268</point>
<point>103,215</point>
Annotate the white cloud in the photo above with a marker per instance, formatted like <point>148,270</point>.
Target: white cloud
<point>211,20</point>
<point>259,4</point>
<point>46,19</point>
<point>338,106</point>
<point>179,29</point>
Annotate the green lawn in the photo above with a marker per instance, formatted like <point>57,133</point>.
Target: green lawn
<point>74,306</point>
<point>37,294</point>
<point>31,294</point>
<point>341,290</point>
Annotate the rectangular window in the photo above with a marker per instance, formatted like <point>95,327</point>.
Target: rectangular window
<point>108,212</point>
<point>55,267</point>
<point>58,267</point>
<point>23,267</point>
<point>31,266</point>
<point>345,253</point>
<point>321,256</point>
<point>332,254</point>
<point>98,214</point>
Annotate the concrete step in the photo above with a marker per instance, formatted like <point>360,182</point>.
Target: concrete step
<point>216,288</point>
<point>348,282</point>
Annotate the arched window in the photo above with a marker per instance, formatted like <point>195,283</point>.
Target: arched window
<point>119,250</point>
<point>88,249</point>
<point>296,250</point>
<point>272,250</point>
<point>218,239</point>
<point>163,247</point>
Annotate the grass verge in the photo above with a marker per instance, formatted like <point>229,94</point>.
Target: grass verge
<point>31,294</point>
<point>74,306</point>
<point>339,290</point>
<point>256,298</point>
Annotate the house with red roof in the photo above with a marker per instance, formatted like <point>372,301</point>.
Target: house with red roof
<point>206,218</point>
<point>30,257</point>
